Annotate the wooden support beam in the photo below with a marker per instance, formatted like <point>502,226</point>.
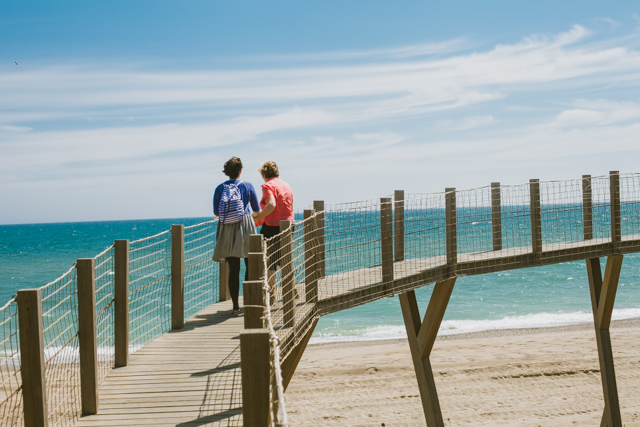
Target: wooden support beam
<point>602,298</point>
<point>223,282</point>
<point>256,376</point>
<point>318,206</point>
<point>34,391</point>
<point>496,216</point>
<point>433,316</point>
<point>398,226</point>
<point>87,341</point>
<point>386,240</point>
<point>608,292</point>
<point>256,257</point>
<point>451,225</point>
<point>177,276</point>
<point>587,208</point>
<point>310,259</point>
<point>535,215</point>
<point>121,301</point>
<point>255,243</point>
<point>614,193</point>
<point>253,294</point>
<point>422,365</point>
<point>290,364</point>
<point>286,270</point>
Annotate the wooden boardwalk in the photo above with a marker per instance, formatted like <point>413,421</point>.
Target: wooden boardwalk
<point>192,376</point>
<point>188,377</point>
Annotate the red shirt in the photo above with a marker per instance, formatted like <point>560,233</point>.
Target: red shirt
<point>283,195</point>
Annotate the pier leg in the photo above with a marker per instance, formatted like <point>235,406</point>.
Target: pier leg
<point>421,337</point>
<point>603,294</point>
<point>290,364</point>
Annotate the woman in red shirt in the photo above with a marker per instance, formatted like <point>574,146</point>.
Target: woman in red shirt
<point>277,205</point>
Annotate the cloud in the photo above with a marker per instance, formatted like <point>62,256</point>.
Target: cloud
<point>10,128</point>
<point>597,113</point>
<point>506,107</point>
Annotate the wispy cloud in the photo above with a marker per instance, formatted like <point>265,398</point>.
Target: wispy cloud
<point>409,105</point>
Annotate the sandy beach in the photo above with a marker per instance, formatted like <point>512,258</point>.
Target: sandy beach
<point>519,377</point>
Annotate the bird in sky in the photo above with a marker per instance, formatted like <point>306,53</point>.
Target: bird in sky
<point>17,62</point>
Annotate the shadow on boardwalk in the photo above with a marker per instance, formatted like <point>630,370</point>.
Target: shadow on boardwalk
<point>189,377</point>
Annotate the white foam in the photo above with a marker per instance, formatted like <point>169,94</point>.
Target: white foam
<point>452,327</point>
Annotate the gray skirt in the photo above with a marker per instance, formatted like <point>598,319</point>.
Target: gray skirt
<point>233,239</point>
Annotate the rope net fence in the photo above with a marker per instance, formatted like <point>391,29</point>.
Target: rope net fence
<point>105,307</point>
<point>356,252</point>
<point>62,358</point>
<point>11,411</point>
<point>201,277</point>
<point>149,289</point>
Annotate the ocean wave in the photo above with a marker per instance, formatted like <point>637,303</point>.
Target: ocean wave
<point>453,327</point>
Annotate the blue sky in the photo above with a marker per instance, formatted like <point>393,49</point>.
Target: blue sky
<point>123,110</point>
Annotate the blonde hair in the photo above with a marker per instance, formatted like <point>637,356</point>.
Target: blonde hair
<point>269,169</point>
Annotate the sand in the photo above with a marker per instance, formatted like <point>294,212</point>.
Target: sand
<point>522,377</point>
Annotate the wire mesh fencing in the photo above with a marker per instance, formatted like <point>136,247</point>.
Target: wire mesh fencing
<point>11,412</point>
<point>149,289</point>
<point>105,308</point>
<point>62,358</point>
<point>201,274</point>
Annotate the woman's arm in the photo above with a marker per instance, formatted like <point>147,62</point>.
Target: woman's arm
<point>271,205</point>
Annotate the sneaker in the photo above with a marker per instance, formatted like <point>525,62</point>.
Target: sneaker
<point>236,312</point>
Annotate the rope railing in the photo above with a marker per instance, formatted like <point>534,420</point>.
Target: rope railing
<point>350,254</point>
<point>11,412</point>
<point>61,356</point>
<point>149,288</point>
<point>200,272</point>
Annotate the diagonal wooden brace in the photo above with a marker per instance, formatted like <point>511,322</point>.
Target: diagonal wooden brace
<point>421,336</point>
<point>433,316</point>
<point>603,294</point>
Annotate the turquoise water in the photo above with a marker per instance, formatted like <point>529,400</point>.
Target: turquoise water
<point>34,255</point>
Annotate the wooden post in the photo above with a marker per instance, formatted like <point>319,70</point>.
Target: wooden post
<point>318,206</point>
<point>177,276</point>
<point>223,281</point>
<point>496,216</point>
<point>614,192</point>
<point>256,257</point>
<point>34,392</point>
<point>603,293</point>
<point>286,269</point>
<point>87,341</point>
<point>310,259</point>
<point>451,223</point>
<point>422,365</point>
<point>386,240</point>
<point>587,208</point>
<point>255,365</point>
<point>253,295</point>
<point>535,214</point>
<point>398,226</point>
<point>121,312</point>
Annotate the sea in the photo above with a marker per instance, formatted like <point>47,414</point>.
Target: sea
<point>33,255</point>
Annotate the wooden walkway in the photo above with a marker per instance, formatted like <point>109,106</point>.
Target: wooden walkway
<point>192,377</point>
<point>189,377</point>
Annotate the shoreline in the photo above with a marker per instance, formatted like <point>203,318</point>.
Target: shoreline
<point>633,322</point>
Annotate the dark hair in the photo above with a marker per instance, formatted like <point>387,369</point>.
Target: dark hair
<point>233,167</point>
<point>269,169</point>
